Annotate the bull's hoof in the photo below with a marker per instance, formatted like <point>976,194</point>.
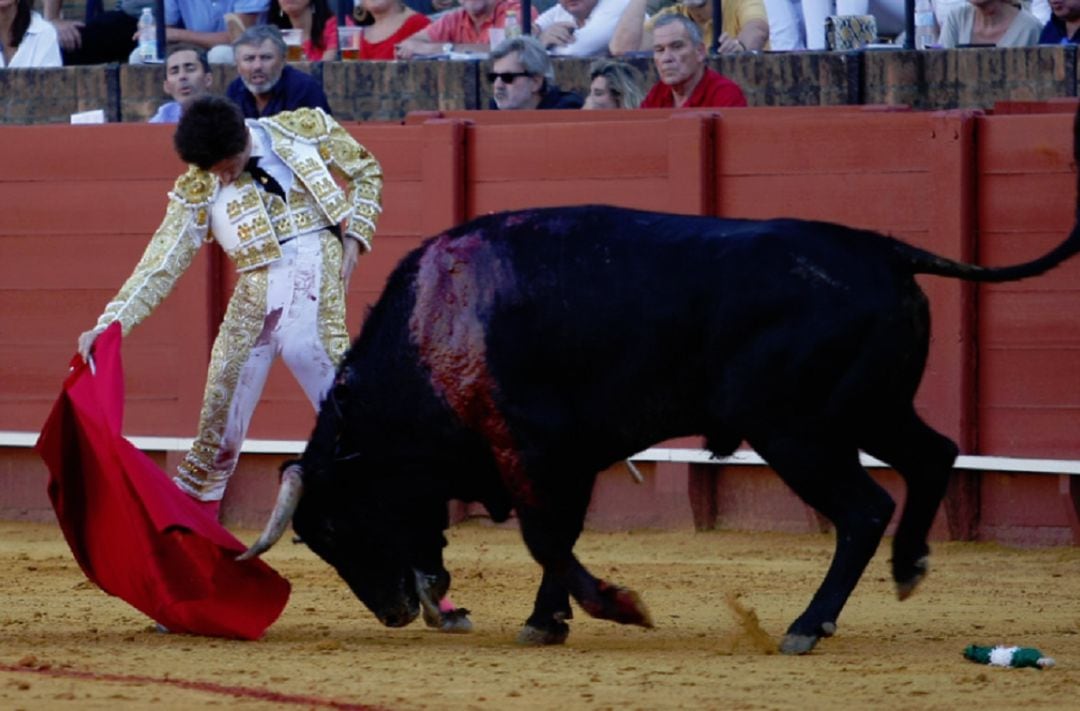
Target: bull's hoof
<point>798,643</point>
<point>803,643</point>
<point>618,604</point>
<point>455,621</point>
<point>906,587</point>
<point>555,633</point>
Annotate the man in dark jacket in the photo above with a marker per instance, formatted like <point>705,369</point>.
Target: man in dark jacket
<point>1064,24</point>
<point>266,85</point>
<point>522,78</point>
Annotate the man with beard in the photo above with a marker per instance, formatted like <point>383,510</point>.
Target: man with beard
<point>266,85</point>
<point>1064,24</point>
<point>685,80</point>
<point>522,77</point>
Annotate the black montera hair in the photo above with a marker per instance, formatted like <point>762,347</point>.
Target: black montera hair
<point>211,130</point>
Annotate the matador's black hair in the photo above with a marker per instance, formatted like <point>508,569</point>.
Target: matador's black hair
<point>210,130</point>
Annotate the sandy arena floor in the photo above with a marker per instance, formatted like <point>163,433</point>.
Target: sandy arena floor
<point>66,645</point>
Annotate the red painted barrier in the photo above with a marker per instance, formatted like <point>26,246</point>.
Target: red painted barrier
<point>80,201</point>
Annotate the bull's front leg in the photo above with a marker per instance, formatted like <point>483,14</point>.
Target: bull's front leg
<point>550,538</point>
<point>547,623</point>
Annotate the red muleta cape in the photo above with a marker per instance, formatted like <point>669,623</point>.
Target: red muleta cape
<point>133,532</point>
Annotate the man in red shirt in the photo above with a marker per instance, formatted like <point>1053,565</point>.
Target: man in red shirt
<point>465,29</point>
<point>679,54</point>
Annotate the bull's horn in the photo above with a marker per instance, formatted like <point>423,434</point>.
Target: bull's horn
<point>292,485</point>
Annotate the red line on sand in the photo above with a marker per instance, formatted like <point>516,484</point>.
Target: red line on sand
<point>239,691</point>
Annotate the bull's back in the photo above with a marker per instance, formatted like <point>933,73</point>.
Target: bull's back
<point>591,318</point>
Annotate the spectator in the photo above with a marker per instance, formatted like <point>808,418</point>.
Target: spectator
<point>679,55</point>
<point>1040,9</point>
<point>187,77</point>
<point>266,85</point>
<point>462,30</point>
<point>1064,24</point>
<point>993,22</point>
<point>26,39</point>
<point>207,25</point>
<point>431,7</point>
<point>746,26</point>
<point>316,22</point>
<point>105,37</point>
<point>580,28</point>
<point>522,78</point>
<point>613,85</point>
<point>391,22</point>
<point>786,29</point>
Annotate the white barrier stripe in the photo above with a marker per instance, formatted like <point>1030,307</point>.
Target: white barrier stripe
<point>743,457</point>
<point>965,461</point>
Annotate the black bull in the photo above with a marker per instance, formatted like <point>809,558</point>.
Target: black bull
<point>512,358</point>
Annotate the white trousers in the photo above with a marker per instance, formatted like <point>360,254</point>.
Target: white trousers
<point>278,311</point>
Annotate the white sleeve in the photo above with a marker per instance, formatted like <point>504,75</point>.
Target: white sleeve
<point>592,39</point>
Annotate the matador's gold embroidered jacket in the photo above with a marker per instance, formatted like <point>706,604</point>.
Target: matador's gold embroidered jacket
<point>312,144</point>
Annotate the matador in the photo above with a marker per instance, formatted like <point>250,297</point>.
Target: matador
<point>264,190</point>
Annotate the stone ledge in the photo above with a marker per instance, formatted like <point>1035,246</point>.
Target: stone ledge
<point>386,91</point>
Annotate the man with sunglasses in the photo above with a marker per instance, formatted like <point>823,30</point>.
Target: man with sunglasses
<point>522,78</point>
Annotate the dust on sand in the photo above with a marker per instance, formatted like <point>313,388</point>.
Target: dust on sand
<point>720,602</point>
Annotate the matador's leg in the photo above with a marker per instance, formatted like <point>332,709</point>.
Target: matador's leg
<point>234,382</point>
<point>312,331</point>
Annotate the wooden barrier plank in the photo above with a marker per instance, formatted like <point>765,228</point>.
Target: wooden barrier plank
<point>1029,432</point>
<point>828,196</point>
<point>82,207</point>
<point>645,194</point>
<point>1032,376</point>
<point>619,150</point>
<point>855,143</point>
<point>1028,343</point>
<point>135,152</point>
<point>1036,318</point>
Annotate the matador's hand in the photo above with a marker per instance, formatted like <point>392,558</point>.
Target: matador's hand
<point>349,256</point>
<point>86,342</point>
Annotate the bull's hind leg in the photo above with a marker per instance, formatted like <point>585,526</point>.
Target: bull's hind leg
<point>832,481</point>
<point>924,458</point>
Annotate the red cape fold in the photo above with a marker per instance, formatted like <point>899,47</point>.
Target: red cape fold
<point>133,532</point>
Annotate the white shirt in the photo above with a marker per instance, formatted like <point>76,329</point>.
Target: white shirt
<point>268,160</point>
<point>590,40</point>
<point>785,25</point>
<point>39,47</point>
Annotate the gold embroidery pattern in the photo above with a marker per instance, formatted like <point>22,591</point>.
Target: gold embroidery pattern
<point>170,252</point>
<point>206,467</point>
<point>365,178</point>
<point>195,187</point>
<point>303,124</point>
<point>332,331</point>
<point>339,151</point>
<point>258,244</point>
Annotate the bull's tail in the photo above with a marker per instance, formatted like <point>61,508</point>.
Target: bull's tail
<point>923,262</point>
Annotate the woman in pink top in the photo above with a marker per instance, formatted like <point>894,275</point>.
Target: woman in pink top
<point>391,22</point>
<point>315,20</point>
